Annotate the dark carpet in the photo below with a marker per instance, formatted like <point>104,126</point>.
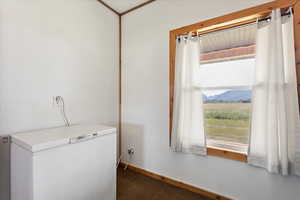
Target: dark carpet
<point>134,186</point>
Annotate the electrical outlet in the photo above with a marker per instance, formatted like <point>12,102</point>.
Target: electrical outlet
<point>5,140</point>
<point>55,101</point>
<point>130,151</point>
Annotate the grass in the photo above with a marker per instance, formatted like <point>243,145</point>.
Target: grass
<point>227,121</point>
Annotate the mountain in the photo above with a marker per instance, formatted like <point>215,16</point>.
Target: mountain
<point>230,96</point>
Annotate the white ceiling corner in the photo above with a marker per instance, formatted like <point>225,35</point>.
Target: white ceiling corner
<point>123,5</point>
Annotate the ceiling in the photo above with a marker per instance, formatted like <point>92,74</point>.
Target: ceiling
<point>123,5</point>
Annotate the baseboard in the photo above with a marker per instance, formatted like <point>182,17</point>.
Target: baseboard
<point>176,183</point>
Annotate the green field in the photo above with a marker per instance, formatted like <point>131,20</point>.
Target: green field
<point>227,121</point>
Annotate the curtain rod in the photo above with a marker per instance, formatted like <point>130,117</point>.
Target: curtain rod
<point>288,13</point>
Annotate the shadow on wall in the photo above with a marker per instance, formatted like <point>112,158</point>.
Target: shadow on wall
<point>4,168</point>
<point>133,138</point>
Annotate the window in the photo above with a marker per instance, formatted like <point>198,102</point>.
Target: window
<point>227,103</point>
<point>213,58</point>
<point>226,77</point>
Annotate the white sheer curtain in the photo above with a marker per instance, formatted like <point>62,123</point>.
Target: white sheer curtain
<point>188,127</point>
<point>274,141</point>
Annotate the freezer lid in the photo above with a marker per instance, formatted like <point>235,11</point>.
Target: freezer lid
<point>49,138</point>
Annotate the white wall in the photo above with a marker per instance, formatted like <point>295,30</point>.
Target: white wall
<point>145,106</point>
<point>57,47</point>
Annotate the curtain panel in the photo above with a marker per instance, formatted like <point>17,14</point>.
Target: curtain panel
<point>274,140</point>
<point>188,126</point>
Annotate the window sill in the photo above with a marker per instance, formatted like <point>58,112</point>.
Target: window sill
<point>228,154</point>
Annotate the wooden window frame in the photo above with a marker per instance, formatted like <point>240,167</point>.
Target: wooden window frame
<point>223,22</point>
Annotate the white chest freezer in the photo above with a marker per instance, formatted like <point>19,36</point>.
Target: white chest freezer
<point>68,163</point>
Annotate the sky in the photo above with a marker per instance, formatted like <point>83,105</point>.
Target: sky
<point>228,73</point>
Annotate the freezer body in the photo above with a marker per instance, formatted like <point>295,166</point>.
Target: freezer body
<point>83,170</point>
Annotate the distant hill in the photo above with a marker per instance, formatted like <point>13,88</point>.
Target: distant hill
<point>230,96</point>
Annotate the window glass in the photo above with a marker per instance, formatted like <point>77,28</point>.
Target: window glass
<point>227,117</point>
<point>226,88</point>
<point>227,73</point>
